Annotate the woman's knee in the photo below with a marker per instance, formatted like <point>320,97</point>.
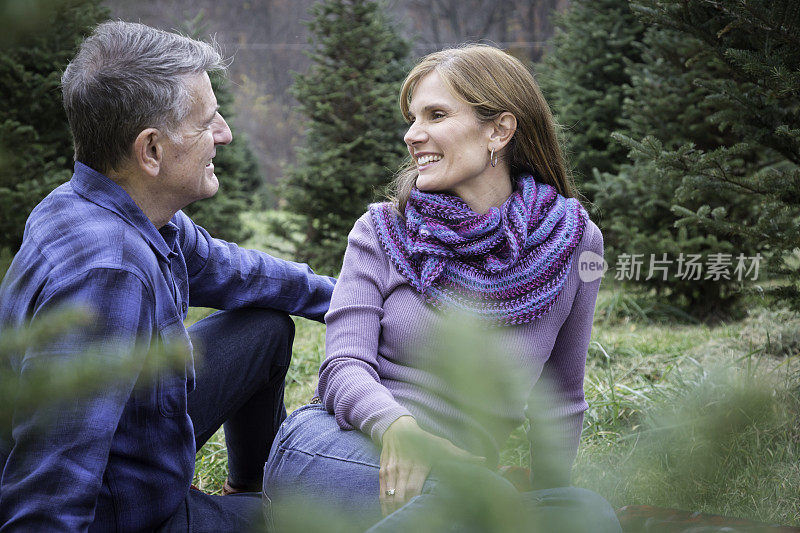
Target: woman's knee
<point>313,431</point>
<point>312,450</point>
<point>315,463</point>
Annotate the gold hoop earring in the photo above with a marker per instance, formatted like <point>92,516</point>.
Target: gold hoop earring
<point>492,159</point>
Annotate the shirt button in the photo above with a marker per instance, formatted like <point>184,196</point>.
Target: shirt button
<point>184,307</point>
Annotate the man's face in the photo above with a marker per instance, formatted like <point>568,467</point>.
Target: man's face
<point>188,173</point>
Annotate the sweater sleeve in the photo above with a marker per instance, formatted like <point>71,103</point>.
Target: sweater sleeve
<point>556,408</point>
<point>349,378</point>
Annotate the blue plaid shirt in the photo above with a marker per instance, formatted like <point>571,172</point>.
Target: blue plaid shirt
<point>123,460</point>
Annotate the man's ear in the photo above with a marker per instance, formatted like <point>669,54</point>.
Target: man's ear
<point>148,151</point>
<point>503,129</point>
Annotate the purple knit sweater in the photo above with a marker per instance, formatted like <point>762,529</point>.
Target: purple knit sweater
<point>368,378</point>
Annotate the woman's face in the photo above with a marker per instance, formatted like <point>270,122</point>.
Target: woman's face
<point>446,140</point>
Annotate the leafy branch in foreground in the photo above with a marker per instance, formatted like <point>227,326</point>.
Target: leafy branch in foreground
<point>92,371</point>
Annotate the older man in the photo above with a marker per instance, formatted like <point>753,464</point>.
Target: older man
<point>146,127</point>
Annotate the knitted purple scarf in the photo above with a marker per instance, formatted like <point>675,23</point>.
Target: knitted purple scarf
<point>506,266</point>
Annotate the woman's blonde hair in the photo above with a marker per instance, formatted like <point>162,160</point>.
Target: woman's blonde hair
<point>493,82</point>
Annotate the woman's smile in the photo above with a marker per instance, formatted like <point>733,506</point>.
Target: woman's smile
<point>426,160</point>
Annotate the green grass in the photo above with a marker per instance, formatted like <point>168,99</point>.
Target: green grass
<point>655,392</point>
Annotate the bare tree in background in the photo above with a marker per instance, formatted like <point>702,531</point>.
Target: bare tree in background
<point>451,20</point>
<point>523,26</point>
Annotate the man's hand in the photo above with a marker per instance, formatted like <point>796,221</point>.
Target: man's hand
<point>406,459</point>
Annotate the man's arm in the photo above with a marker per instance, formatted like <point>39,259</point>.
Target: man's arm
<point>59,454</point>
<point>223,275</point>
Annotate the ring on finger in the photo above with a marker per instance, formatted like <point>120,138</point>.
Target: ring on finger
<point>389,492</point>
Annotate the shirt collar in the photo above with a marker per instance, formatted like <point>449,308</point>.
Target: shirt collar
<point>105,192</point>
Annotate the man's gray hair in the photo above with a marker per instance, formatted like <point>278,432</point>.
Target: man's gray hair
<point>125,78</point>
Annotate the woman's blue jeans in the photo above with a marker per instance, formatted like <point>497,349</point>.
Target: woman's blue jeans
<point>320,475</point>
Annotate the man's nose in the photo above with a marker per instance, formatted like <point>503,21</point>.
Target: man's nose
<point>222,133</point>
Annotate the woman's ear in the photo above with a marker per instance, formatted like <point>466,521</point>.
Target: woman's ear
<point>148,152</point>
<point>503,129</point>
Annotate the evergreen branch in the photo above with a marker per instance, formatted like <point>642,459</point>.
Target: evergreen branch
<point>92,370</point>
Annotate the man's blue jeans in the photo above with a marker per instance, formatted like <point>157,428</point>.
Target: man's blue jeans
<point>241,359</point>
<point>318,472</point>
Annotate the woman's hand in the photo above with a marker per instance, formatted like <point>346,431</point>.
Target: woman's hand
<point>406,458</point>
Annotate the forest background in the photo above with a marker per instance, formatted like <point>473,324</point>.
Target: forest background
<point>681,121</point>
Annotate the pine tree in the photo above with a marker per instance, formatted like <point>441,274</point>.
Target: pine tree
<point>36,142</point>
<point>353,140</point>
<point>583,78</point>
<point>240,180</point>
<point>754,101</point>
<point>609,72</point>
<point>665,106</point>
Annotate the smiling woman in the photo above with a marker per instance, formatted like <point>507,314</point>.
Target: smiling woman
<point>491,84</point>
<point>484,221</point>
<point>449,145</point>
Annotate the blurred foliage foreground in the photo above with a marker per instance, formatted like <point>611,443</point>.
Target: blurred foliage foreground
<point>80,377</point>
<point>682,415</point>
